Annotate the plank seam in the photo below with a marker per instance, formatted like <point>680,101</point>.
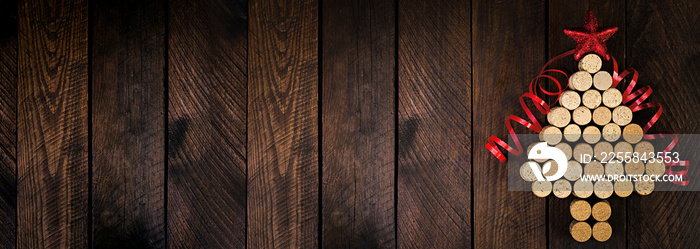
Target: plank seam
<point>471,79</point>
<point>90,147</point>
<point>247,129</point>
<point>626,200</point>
<point>546,55</point>
<point>319,110</point>
<point>17,105</point>
<point>396,123</point>
<point>166,107</point>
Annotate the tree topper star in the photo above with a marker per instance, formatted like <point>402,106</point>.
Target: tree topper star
<point>590,37</point>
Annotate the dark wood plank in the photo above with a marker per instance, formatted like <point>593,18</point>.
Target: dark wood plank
<point>8,124</point>
<point>207,124</point>
<point>52,153</point>
<point>566,14</point>
<point>358,124</point>
<point>434,144</point>
<point>128,66</point>
<point>509,50</point>
<point>283,170</point>
<point>662,44</point>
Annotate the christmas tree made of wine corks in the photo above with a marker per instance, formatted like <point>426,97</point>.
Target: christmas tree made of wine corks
<point>592,120</point>
<point>590,129</point>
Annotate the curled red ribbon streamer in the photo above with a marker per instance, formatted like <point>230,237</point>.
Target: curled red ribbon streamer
<point>540,104</point>
<point>638,105</point>
<point>627,96</point>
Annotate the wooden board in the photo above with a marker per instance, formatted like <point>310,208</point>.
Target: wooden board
<point>662,46</point>
<point>434,163</point>
<point>52,149</point>
<point>362,123</point>
<point>567,14</point>
<point>358,124</point>
<point>508,51</point>
<point>207,75</point>
<point>283,123</point>
<point>128,123</point>
<point>8,124</point>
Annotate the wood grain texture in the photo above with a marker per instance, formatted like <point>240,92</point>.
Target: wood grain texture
<point>128,66</point>
<point>509,50</point>
<point>8,124</point>
<point>434,144</point>
<point>207,124</point>
<point>52,154</point>
<point>283,143</point>
<point>358,124</point>
<point>566,14</point>
<point>662,44</point>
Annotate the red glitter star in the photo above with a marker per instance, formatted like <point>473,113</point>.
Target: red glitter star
<point>590,37</point>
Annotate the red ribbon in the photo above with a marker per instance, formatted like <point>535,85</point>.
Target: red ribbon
<point>641,95</point>
<point>540,104</point>
<point>627,96</point>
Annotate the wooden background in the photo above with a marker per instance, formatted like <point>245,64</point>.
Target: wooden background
<point>307,123</point>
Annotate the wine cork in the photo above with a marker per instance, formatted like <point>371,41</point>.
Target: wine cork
<point>603,189</point>
<point>590,63</point>
<point>573,171</point>
<point>602,80</point>
<point>601,115</point>
<point>644,147</point>
<point>624,188</point>
<point>623,147</point>
<point>570,99</point>
<point>553,168</point>
<point>622,115</point>
<point>582,149</point>
<point>655,168</point>
<point>583,189</point>
<point>634,168</point>
<point>602,151</point>
<point>580,81</point>
<point>593,169</point>
<point>611,132</point>
<point>559,117</point>
<point>561,188</point>
<point>591,134</point>
<point>550,134</point>
<point>580,231</point>
<point>601,211</point>
<point>529,148</point>
<point>612,98</point>
<point>633,133</point>
<point>581,115</point>
<point>580,210</point>
<point>602,231</point>
<point>572,132</point>
<point>566,148</point>
<point>591,99</point>
<point>644,187</point>
<point>526,171</point>
<point>613,169</point>
<point>541,188</point>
